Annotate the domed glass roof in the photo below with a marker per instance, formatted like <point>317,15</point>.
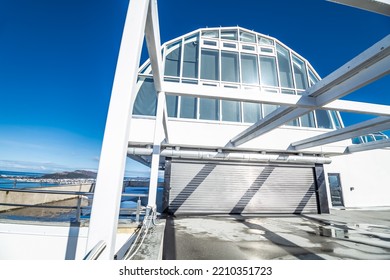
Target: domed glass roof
<point>230,58</point>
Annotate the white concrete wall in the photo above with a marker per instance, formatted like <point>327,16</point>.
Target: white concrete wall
<point>368,173</point>
<point>50,241</point>
<point>213,134</point>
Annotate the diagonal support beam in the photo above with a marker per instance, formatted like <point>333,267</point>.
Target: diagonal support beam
<point>367,67</point>
<point>152,34</point>
<point>380,144</point>
<point>366,127</point>
<point>106,203</point>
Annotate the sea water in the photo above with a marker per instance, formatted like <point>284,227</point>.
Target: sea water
<point>10,182</point>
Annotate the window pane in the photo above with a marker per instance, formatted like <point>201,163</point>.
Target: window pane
<point>300,73</point>
<point>284,63</point>
<point>209,109</point>
<point>172,60</point>
<point>210,34</point>
<point>249,68</point>
<point>265,41</point>
<point>210,65</point>
<point>190,59</point>
<point>323,119</point>
<point>312,78</point>
<point>247,37</point>
<point>268,109</point>
<point>296,121</point>
<point>229,67</point>
<point>229,35</point>
<point>308,120</point>
<point>146,101</point>
<point>231,111</point>
<point>336,120</point>
<point>252,112</point>
<point>172,105</point>
<point>188,107</point>
<point>268,71</point>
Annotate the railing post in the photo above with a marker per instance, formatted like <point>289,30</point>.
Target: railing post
<point>138,209</point>
<point>78,211</point>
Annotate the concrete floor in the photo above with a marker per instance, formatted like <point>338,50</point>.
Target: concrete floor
<point>343,234</point>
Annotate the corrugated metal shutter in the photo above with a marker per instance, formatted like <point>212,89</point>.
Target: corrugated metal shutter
<point>220,187</point>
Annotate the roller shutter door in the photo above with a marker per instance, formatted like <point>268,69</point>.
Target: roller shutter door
<point>212,188</point>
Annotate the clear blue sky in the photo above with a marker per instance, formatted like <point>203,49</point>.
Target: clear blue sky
<point>57,63</point>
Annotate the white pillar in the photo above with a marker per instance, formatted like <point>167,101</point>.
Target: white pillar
<point>105,209</point>
<point>158,137</point>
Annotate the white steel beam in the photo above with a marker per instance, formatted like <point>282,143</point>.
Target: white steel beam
<point>158,137</point>
<point>376,6</point>
<point>380,144</point>
<point>152,34</point>
<point>366,127</point>
<point>258,96</point>
<point>165,123</point>
<point>370,65</point>
<point>107,197</point>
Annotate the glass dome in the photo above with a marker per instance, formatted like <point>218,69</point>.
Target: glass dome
<point>230,58</point>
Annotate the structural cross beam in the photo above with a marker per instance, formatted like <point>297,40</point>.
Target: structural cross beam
<point>373,125</point>
<point>379,144</point>
<point>370,65</point>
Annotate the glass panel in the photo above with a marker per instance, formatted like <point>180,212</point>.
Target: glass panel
<point>172,60</point>
<point>231,111</point>
<point>210,65</point>
<point>188,107</point>
<point>210,43</point>
<point>209,109</point>
<point>308,120</point>
<point>300,73</point>
<point>172,105</point>
<point>229,67</point>
<point>284,63</point>
<point>250,69</point>
<point>357,140</point>
<point>268,71</point>
<point>229,45</point>
<point>268,109</point>
<point>323,119</point>
<point>335,118</point>
<point>146,101</point>
<point>248,48</point>
<point>265,41</point>
<point>247,37</point>
<point>296,121</point>
<point>312,78</point>
<point>266,50</point>
<point>210,34</point>
<point>190,59</point>
<point>252,112</point>
<point>229,35</point>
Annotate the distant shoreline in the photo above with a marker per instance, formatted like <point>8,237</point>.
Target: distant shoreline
<point>72,181</point>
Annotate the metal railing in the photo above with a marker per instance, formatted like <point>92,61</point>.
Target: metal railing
<point>75,194</point>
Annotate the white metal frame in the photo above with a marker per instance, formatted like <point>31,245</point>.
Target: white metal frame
<point>141,18</point>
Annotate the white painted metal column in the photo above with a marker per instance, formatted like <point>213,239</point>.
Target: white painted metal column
<point>107,197</point>
<point>152,33</point>
<point>158,138</point>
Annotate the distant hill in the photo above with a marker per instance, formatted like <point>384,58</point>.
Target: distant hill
<point>77,174</point>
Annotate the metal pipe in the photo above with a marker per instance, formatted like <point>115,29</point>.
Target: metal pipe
<point>232,156</point>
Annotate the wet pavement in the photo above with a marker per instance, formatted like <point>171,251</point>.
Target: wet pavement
<point>343,234</point>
